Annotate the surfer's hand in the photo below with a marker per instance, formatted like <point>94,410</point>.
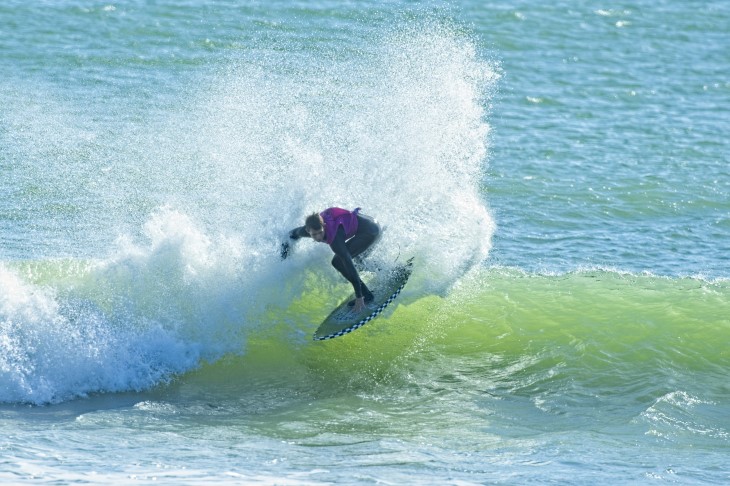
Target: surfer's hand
<point>359,305</point>
<point>293,234</point>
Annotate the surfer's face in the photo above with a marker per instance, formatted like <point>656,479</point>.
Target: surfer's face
<point>317,235</point>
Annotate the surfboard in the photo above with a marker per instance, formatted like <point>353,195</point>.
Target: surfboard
<point>343,320</point>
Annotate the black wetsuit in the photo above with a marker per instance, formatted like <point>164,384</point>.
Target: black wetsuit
<point>368,232</point>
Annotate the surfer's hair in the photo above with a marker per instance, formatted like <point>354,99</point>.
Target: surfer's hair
<point>313,221</point>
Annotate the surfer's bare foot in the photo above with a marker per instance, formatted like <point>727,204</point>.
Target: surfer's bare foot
<point>369,297</point>
<point>359,305</point>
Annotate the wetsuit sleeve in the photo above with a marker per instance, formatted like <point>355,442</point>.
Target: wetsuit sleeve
<point>350,272</point>
<point>299,232</point>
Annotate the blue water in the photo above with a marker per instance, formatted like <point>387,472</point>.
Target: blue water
<point>559,172</point>
<point>608,125</point>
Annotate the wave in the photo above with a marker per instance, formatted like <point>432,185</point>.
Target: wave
<point>502,329</point>
<point>203,193</point>
<point>69,329</point>
<point>399,130</point>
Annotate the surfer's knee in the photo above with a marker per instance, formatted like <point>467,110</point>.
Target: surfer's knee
<point>337,263</point>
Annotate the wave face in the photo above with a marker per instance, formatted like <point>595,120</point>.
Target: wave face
<point>506,356</point>
<point>594,329</point>
<point>165,229</point>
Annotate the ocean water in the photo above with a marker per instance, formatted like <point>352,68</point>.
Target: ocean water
<point>559,171</point>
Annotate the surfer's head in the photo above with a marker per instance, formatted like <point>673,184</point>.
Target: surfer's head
<point>315,226</point>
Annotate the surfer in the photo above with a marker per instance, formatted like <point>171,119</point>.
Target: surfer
<point>349,234</point>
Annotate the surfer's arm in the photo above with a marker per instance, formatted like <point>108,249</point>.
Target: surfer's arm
<point>340,249</point>
<point>300,232</point>
<point>294,234</point>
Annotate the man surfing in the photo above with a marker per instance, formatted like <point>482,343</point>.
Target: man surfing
<point>349,234</point>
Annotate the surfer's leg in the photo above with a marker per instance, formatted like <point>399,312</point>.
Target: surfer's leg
<point>340,267</point>
<point>368,232</point>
